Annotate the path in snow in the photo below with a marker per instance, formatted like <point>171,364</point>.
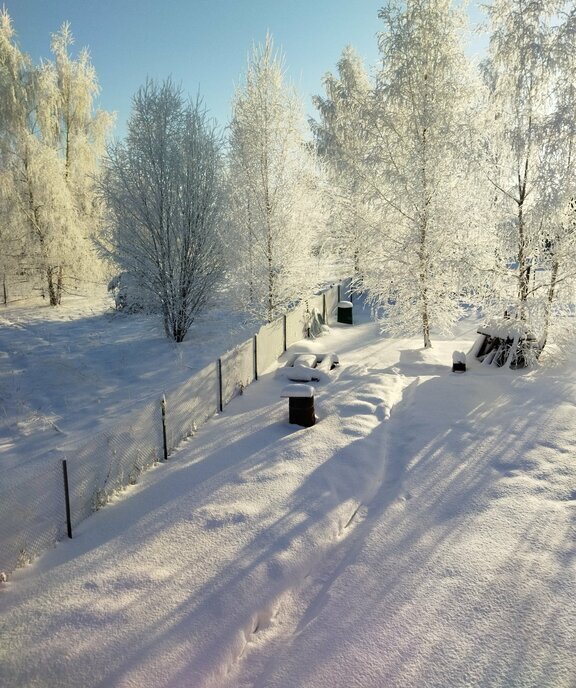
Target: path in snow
<point>462,571</point>
<point>419,535</point>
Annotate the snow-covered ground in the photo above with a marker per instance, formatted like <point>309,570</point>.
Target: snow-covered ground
<point>67,372</point>
<point>421,534</point>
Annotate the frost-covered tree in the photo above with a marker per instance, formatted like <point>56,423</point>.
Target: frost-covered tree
<point>15,71</point>
<point>51,142</point>
<point>531,75</point>
<point>163,186</point>
<point>274,205</point>
<point>69,122</point>
<point>420,163</point>
<point>342,141</point>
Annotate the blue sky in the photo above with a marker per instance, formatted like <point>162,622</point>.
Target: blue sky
<point>202,44</point>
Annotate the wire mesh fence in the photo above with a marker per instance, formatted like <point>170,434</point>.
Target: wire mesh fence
<point>270,344</point>
<point>191,404</point>
<point>32,516</point>
<point>114,459</point>
<point>237,370</point>
<point>33,512</point>
<point>20,287</point>
<point>331,296</point>
<point>296,324</point>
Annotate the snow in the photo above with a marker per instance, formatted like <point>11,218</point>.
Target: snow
<point>305,360</point>
<point>458,357</point>
<point>420,534</point>
<point>297,391</point>
<point>66,373</point>
<point>503,328</point>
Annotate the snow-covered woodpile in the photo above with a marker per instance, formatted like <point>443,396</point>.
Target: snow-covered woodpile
<point>506,344</point>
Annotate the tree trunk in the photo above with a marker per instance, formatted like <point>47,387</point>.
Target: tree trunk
<point>549,302</point>
<point>52,286</point>
<point>60,283</point>
<point>270,260</point>
<point>424,305</point>
<point>423,238</point>
<point>271,285</point>
<point>523,265</point>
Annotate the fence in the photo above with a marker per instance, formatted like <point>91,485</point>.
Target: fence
<point>22,286</point>
<point>41,509</point>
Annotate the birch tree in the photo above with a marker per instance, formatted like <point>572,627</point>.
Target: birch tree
<point>38,200</point>
<point>342,141</point>
<point>163,186</point>
<point>531,72</point>
<point>275,209</point>
<point>421,128</point>
<point>51,144</point>
<point>15,70</point>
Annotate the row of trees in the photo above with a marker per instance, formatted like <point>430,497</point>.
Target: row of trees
<point>436,183</point>
<point>50,142</point>
<point>460,179</point>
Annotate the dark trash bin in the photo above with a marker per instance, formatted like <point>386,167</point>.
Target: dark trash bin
<point>345,312</point>
<point>458,362</point>
<point>300,404</point>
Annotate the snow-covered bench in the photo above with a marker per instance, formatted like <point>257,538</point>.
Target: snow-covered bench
<point>304,367</point>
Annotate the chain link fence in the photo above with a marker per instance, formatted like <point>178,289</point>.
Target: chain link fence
<point>22,286</point>
<point>190,405</point>
<point>32,516</point>
<point>114,459</point>
<point>237,371</point>
<point>44,507</point>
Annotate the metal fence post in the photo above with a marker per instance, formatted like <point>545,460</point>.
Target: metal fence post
<point>339,290</point>
<point>164,433</point>
<point>67,498</point>
<point>285,334</point>
<point>324,318</point>
<point>256,357</point>
<point>221,401</point>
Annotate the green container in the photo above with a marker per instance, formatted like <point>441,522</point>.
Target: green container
<point>345,312</point>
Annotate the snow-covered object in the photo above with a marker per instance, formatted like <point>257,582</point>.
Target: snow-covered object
<point>316,326</point>
<point>305,360</point>
<point>402,543</point>
<point>301,373</point>
<point>459,357</point>
<point>297,392</point>
<point>345,304</point>
<point>327,362</point>
<point>505,343</point>
<point>318,367</point>
<point>458,362</point>
<point>302,370</point>
<point>504,328</point>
